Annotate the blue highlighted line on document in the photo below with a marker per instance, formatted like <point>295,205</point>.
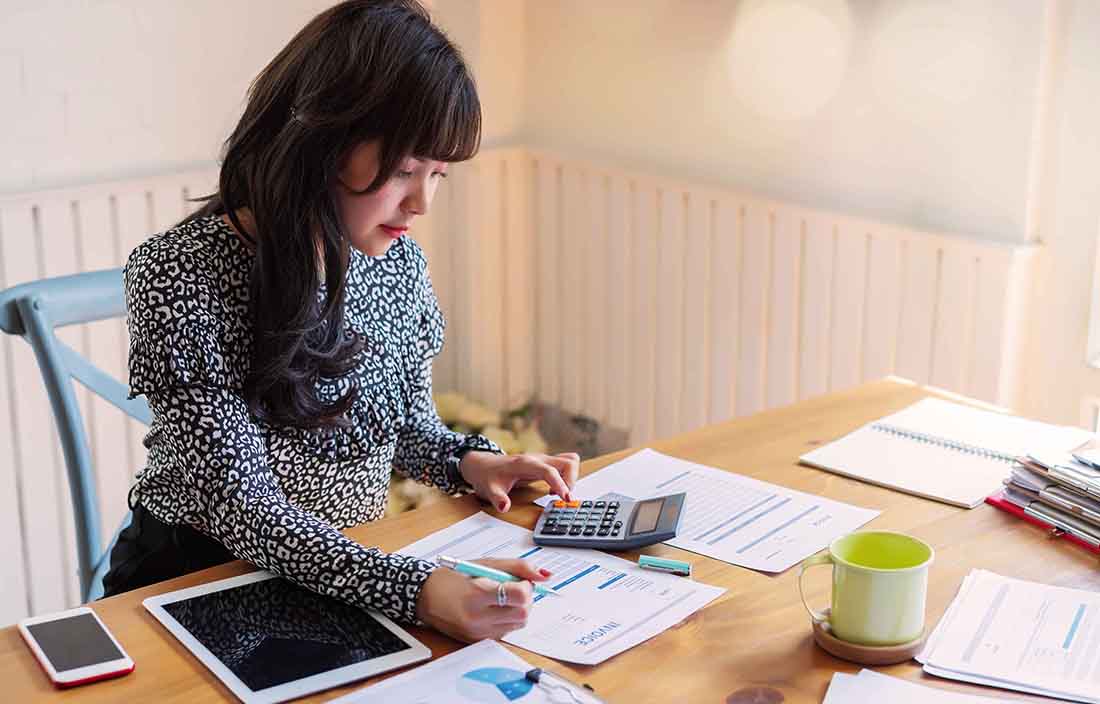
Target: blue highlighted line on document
<point>666,482</point>
<point>750,521</point>
<point>574,578</point>
<point>778,528</point>
<point>735,516</point>
<point>1073,627</point>
<point>557,587</point>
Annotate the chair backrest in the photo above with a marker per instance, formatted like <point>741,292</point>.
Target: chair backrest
<point>34,310</point>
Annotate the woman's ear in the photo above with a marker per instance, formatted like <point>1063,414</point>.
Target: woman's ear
<point>360,166</point>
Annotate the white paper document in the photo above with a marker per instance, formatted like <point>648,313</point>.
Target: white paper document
<point>871,686</point>
<point>482,672</point>
<point>1020,635</point>
<point>608,604</point>
<point>727,516</point>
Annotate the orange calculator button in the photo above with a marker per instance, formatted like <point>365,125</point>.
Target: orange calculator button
<point>573,504</point>
<point>559,504</point>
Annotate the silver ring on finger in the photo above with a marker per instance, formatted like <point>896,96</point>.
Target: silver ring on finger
<point>502,596</point>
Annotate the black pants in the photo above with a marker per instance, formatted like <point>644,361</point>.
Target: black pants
<point>149,550</point>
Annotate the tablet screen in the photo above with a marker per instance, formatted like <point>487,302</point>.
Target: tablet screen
<point>272,632</point>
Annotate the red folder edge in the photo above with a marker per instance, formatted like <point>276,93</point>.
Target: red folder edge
<point>997,500</point>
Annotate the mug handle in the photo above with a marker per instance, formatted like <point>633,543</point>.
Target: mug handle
<point>823,558</point>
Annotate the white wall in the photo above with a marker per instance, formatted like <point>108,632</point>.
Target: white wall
<point>1058,377</point>
<point>913,111</point>
<point>927,113</point>
<point>97,90</point>
<point>491,35</point>
<point>919,112</point>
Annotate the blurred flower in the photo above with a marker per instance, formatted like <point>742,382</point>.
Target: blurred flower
<point>449,406</point>
<point>530,440</point>
<point>477,416</point>
<point>456,409</point>
<point>515,431</point>
<point>505,438</point>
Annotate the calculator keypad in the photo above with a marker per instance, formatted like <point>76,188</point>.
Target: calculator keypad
<point>584,518</point>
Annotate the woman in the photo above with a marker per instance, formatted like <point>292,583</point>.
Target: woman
<point>284,335</point>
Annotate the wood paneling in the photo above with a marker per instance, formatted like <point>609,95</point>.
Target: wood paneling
<point>652,304</point>
<point>46,234</point>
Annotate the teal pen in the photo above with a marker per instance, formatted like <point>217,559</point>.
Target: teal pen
<point>475,570</point>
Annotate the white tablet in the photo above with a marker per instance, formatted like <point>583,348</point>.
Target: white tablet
<point>270,640</point>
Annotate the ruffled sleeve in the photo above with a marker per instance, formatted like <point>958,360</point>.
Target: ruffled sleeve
<point>427,450</point>
<point>179,334</point>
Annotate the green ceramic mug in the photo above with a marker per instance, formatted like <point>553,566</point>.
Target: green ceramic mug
<point>880,579</point>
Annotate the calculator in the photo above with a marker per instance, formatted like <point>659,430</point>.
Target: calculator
<point>610,523</point>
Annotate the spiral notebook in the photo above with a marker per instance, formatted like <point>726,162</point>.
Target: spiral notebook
<point>941,450</point>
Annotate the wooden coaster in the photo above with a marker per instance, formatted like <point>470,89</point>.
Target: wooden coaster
<point>865,654</point>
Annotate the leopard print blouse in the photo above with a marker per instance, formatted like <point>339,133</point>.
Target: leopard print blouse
<point>277,496</point>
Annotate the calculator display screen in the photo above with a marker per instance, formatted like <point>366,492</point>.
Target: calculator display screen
<point>646,515</point>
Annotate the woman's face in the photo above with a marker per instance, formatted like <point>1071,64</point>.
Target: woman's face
<point>374,221</point>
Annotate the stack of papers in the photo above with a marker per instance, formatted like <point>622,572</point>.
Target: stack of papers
<point>1068,469</point>
<point>1020,635</point>
<point>1058,491</point>
<point>727,516</point>
<point>941,450</point>
<point>871,686</point>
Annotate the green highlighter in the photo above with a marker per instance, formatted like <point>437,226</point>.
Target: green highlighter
<point>662,564</point>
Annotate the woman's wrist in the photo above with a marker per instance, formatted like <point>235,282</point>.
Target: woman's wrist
<point>473,464</point>
<point>472,444</point>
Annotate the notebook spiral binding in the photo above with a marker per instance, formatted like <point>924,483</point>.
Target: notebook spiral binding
<point>944,442</point>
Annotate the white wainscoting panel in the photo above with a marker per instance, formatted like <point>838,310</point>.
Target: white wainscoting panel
<point>714,304</point>
<point>53,233</point>
<point>651,304</point>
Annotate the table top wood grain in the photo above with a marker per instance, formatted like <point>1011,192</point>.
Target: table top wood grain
<point>753,644</point>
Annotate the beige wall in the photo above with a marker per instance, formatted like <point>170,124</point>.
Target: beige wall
<point>914,111</point>
<point>920,112</point>
<point>927,113</point>
<point>492,36</point>
<point>1058,378</point>
<point>114,89</point>
<point>100,90</point>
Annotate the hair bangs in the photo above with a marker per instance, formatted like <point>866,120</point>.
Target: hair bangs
<point>439,119</point>
<point>450,127</point>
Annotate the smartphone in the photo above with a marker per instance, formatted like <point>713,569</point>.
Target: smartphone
<point>74,647</point>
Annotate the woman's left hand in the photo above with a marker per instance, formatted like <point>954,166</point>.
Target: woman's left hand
<point>492,476</point>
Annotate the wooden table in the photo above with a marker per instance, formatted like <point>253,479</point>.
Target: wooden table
<point>753,644</point>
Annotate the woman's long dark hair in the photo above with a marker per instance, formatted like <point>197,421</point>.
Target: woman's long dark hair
<point>362,70</point>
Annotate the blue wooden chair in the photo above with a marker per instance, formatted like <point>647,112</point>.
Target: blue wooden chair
<point>34,310</point>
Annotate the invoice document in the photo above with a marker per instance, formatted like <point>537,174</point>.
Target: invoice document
<point>727,516</point>
<point>1019,635</point>
<point>608,604</point>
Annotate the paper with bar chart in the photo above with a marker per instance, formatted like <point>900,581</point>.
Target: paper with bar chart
<point>608,604</point>
<point>1021,635</point>
<point>483,673</point>
<point>728,516</point>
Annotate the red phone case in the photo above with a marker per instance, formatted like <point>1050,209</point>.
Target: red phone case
<point>96,678</point>
<point>77,683</point>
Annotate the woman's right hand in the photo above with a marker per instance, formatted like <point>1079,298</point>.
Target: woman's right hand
<point>466,608</point>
